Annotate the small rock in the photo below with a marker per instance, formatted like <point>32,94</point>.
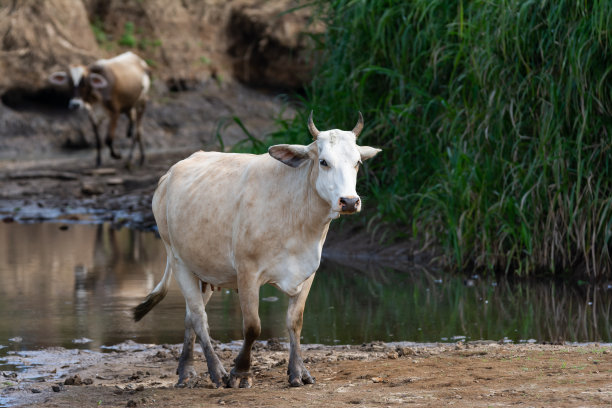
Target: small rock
<point>405,351</point>
<point>377,379</point>
<point>76,380</point>
<point>35,391</point>
<point>140,388</point>
<point>82,340</point>
<point>104,171</point>
<point>57,388</point>
<point>131,403</point>
<point>392,355</point>
<point>17,339</point>
<point>114,181</point>
<point>280,363</point>
<point>87,381</point>
<point>89,188</point>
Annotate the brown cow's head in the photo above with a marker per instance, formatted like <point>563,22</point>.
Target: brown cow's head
<point>337,157</point>
<point>81,83</point>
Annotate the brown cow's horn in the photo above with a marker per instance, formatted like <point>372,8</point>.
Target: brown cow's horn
<point>312,128</point>
<point>359,126</point>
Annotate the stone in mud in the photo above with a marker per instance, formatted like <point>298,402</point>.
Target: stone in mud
<point>76,380</point>
<point>89,188</point>
<point>58,388</point>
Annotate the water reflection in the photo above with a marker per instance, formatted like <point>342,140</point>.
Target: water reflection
<point>58,286</point>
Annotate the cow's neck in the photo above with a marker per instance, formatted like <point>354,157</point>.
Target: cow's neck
<point>319,214</point>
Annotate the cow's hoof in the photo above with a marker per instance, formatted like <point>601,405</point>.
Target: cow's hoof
<point>301,377</point>
<point>240,379</point>
<point>185,373</point>
<point>219,379</point>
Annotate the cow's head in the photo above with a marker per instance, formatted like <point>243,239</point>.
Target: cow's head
<point>336,157</point>
<point>80,81</point>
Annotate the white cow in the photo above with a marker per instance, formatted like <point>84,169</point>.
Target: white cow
<point>240,221</point>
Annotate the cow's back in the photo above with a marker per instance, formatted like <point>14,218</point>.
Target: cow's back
<point>128,78</point>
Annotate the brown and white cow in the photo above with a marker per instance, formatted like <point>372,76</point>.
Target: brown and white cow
<point>240,221</point>
<point>119,85</point>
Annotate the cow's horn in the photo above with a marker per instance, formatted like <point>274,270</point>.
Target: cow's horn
<point>312,128</point>
<point>359,126</point>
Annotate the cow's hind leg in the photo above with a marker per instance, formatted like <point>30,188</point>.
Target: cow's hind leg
<point>298,374</point>
<point>185,368</point>
<point>139,112</point>
<point>248,291</point>
<point>135,116</point>
<point>190,287</point>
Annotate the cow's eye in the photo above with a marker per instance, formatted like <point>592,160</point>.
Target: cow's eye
<point>323,163</point>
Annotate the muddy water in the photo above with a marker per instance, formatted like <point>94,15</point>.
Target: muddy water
<point>74,286</point>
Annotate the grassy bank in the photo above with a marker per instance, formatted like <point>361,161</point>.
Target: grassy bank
<point>495,122</point>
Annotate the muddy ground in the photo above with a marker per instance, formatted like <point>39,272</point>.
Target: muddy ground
<point>481,374</point>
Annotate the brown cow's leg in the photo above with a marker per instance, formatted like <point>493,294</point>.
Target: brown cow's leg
<point>140,111</point>
<point>248,291</point>
<point>298,374</point>
<point>190,287</point>
<point>132,118</point>
<point>185,368</point>
<point>94,125</point>
<point>112,125</point>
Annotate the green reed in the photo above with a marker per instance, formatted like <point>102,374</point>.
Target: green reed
<point>495,120</point>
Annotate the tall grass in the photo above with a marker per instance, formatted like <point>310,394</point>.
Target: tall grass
<point>495,120</point>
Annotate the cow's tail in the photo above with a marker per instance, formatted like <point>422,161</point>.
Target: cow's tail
<point>156,296</point>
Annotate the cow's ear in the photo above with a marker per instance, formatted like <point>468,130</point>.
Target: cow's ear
<point>367,152</point>
<point>97,80</point>
<point>291,155</point>
<point>59,78</point>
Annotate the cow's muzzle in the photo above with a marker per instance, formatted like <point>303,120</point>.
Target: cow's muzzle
<point>349,205</point>
<point>75,104</point>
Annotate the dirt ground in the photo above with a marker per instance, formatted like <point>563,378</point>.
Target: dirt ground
<point>480,374</point>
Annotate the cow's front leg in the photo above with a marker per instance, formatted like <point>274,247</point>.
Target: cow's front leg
<point>112,125</point>
<point>94,124</point>
<point>298,374</point>
<point>241,375</point>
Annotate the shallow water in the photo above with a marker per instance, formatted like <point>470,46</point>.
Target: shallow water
<point>75,286</point>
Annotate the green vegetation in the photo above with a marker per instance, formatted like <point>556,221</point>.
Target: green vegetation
<point>127,38</point>
<point>495,120</point>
